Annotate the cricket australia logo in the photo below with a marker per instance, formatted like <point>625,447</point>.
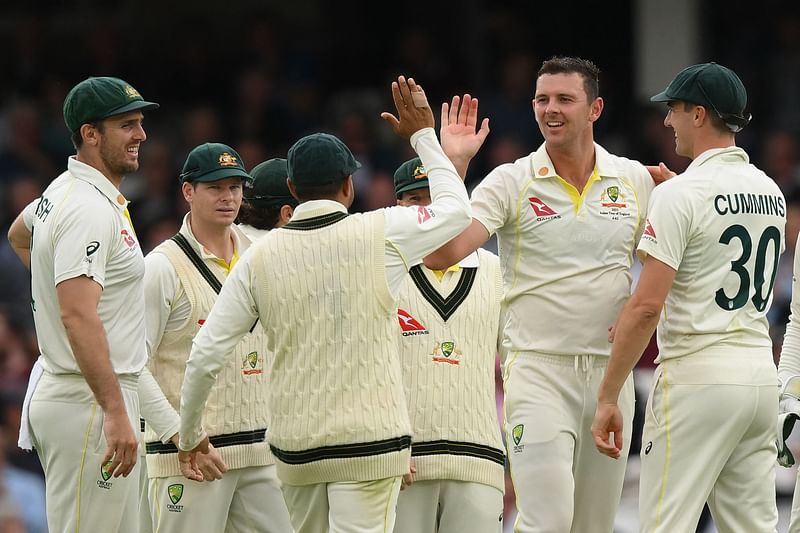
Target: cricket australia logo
<point>251,364</point>
<point>613,203</point>
<point>175,493</point>
<point>446,352</point>
<point>105,475</point>
<point>516,435</point>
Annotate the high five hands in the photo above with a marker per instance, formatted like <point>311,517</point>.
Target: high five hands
<point>413,111</point>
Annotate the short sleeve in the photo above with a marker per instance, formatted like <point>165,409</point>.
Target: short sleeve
<point>667,227</point>
<point>83,239</point>
<point>491,201</point>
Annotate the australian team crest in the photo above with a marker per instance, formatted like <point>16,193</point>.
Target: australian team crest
<point>614,204</point>
<point>447,348</point>
<point>227,160</point>
<point>516,435</point>
<point>517,432</point>
<point>446,352</point>
<point>251,364</point>
<point>175,492</point>
<point>105,471</point>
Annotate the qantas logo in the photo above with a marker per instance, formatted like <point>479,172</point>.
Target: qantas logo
<point>409,324</point>
<point>649,231</point>
<point>423,215</point>
<point>542,210</point>
<point>127,238</point>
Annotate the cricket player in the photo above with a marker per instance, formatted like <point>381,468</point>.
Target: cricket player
<point>710,252</point>
<point>789,378</point>
<point>325,289</point>
<point>82,409</point>
<point>268,203</point>
<point>182,277</point>
<point>567,217</point>
<point>450,323</point>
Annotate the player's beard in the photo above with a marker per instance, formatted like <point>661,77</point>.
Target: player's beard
<point>115,163</point>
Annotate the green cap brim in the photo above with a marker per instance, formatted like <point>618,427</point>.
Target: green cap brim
<point>138,105</point>
<point>221,174</point>
<point>661,97</point>
<point>421,184</point>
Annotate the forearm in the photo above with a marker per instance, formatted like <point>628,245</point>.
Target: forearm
<point>89,345</point>
<point>19,237</point>
<point>634,329</point>
<point>446,185</point>
<point>155,408</point>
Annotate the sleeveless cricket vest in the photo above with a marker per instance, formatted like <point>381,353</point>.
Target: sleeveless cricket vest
<point>236,414</point>
<point>448,350</point>
<point>338,408</point>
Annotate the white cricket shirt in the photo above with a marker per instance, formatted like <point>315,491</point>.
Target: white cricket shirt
<point>566,255</point>
<point>720,225</point>
<point>80,228</point>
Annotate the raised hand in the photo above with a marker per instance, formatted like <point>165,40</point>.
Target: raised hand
<point>412,106</point>
<point>461,139</point>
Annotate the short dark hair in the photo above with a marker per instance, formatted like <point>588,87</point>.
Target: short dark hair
<point>260,217</point>
<point>77,138</point>
<point>328,191</point>
<point>717,121</point>
<point>570,65</point>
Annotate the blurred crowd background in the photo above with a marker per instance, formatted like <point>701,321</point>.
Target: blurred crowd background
<point>258,75</point>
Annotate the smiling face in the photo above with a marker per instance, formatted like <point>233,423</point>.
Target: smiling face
<point>563,110</point>
<point>214,203</point>
<point>680,117</point>
<point>118,141</point>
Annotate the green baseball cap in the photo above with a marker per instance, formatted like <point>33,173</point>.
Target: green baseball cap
<point>97,98</point>
<point>269,184</point>
<point>213,162</point>
<point>712,86</point>
<point>320,159</point>
<point>410,176</point>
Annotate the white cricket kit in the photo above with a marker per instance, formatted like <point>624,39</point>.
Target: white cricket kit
<point>324,287</point>
<point>566,257</point>
<point>720,225</point>
<point>448,349</point>
<point>789,366</point>
<point>80,227</point>
<point>179,297</point>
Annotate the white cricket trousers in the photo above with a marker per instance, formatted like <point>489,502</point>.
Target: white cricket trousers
<point>709,441</point>
<point>244,500</point>
<point>67,431</point>
<point>343,506</point>
<point>561,482</point>
<point>447,506</point>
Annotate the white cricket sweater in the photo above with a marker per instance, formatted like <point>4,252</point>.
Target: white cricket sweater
<point>338,408</point>
<point>236,414</point>
<point>448,351</point>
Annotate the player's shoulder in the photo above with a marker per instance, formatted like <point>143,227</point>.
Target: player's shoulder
<point>620,165</point>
